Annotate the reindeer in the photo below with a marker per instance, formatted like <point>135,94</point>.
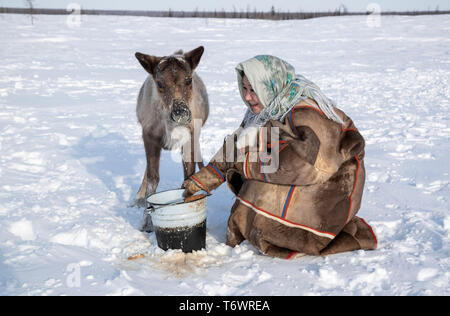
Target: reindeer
<point>172,106</point>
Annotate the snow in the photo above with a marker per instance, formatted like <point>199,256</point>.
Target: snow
<point>72,157</point>
<point>22,229</point>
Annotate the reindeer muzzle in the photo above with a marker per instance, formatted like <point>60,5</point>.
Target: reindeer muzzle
<point>180,113</point>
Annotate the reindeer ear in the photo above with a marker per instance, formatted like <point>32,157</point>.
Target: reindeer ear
<point>193,57</point>
<point>148,62</point>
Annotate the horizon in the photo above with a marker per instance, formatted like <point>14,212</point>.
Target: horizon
<point>237,6</point>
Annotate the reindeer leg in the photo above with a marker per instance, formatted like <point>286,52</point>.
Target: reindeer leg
<point>139,201</point>
<point>198,156</point>
<point>150,181</point>
<point>188,158</point>
<point>196,143</point>
<point>151,177</point>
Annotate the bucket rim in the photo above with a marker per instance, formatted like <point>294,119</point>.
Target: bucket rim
<point>181,202</point>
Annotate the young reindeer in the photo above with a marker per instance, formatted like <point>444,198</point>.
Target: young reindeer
<point>172,101</point>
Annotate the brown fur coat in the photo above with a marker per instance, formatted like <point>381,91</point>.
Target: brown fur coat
<point>309,204</point>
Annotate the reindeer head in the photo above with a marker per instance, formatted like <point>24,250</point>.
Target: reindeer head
<point>173,77</point>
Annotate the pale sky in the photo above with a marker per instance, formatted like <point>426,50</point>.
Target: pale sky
<point>239,5</point>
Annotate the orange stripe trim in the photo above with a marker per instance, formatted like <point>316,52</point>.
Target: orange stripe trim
<point>281,142</point>
<point>260,170</point>
<point>283,148</point>
<point>200,184</point>
<point>349,129</point>
<point>290,255</point>
<point>246,174</point>
<point>263,176</point>
<point>307,106</point>
<point>211,168</point>
<point>354,188</point>
<point>293,127</point>
<point>288,201</point>
<point>371,230</point>
<point>331,235</point>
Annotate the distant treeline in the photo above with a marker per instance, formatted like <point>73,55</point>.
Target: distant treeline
<point>270,15</point>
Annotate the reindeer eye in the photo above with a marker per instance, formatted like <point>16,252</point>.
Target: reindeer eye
<point>160,85</point>
<point>188,81</point>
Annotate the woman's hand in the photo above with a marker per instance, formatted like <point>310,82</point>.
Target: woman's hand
<point>190,187</point>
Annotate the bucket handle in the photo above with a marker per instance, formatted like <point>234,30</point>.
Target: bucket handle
<point>151,207</point>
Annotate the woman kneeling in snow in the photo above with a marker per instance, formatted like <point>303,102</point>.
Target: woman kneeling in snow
<point>307,203</point>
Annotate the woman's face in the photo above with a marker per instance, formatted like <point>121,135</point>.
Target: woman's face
<point>251,97</point>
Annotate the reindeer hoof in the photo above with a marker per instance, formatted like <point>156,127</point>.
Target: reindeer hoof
<point>146,222</point>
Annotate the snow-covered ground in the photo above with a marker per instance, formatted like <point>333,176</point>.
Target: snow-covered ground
<point>72,156</point>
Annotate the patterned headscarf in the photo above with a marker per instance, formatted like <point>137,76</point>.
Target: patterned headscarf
<point>279,89</point>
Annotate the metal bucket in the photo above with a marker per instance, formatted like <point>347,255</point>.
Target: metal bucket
<point>177,224</point>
